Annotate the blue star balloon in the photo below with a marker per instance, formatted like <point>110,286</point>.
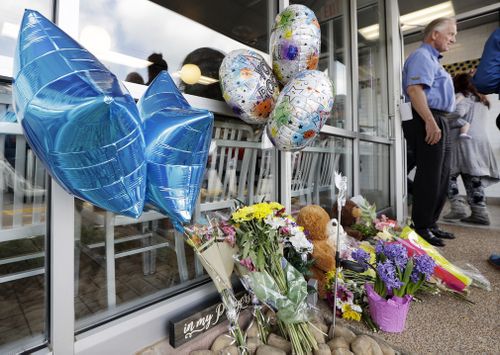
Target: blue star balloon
<point>78,118</point>
<point>177,142</point>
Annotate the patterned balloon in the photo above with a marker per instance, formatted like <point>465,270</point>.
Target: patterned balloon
<point>177,142</point>
<point>302,108</point>
<point>295,42</point>
<point>248,85</point>
<point>78,118</point>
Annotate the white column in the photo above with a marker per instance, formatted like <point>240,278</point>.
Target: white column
<point>62,232</point>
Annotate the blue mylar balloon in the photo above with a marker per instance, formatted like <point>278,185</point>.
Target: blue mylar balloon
<point>177,142</point>
<point>78,118</point>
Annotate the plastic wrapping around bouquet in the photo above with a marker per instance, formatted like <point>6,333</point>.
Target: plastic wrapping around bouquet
<point>451,275</point>
<point>217,259</point>
<point>389,315</point>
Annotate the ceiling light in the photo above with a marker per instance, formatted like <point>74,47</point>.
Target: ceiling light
<point>190,73</point>
<point>419,18</point>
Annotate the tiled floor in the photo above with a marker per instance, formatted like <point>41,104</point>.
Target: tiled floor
<point>22,303</point>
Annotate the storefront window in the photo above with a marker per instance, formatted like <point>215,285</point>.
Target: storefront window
<point>313,168</point>
<point>374,170</point>
<point>136,44</point>
<point>23,203</point>
<point>372,98</point>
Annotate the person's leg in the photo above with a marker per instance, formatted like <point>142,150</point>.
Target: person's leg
<point>464,131</point>
<point>443,179</point>
<point>443,165</point>
<point>427,183</point>
<point>457,205</point>
<point>476,199</point>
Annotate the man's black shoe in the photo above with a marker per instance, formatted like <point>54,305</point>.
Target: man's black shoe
<point>442,234</point>
<point>430,237</point>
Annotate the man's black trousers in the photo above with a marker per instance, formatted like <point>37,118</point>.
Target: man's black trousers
<point>433,169</point>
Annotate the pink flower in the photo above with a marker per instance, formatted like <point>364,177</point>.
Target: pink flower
<point>248,264</point>
<point>384,223</point>
<point>227,229</point>
<point>230,239</point>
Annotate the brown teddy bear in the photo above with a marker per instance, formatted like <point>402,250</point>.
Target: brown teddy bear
<point>349,215</point>
<point>315,221</point>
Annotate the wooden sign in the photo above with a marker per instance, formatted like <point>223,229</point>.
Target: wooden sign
<point>186,329</point>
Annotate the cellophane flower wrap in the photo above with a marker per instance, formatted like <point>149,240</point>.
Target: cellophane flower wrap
<point>214,243</point>
<point>261,231</point>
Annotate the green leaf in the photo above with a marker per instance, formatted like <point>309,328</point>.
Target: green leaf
<point>261,260</point>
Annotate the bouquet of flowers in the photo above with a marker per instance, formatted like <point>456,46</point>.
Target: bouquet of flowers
<point>396,272</point>
<point>214,243</point>
<point>349,297</point>
<point>366,218</point>
<point>262,230</point>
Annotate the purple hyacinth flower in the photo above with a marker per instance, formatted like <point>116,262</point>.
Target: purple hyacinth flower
<point>424,264</point>
<point>397,253</point>
<point>361,257</point>
<point>387,273</point>
<point>379,248</point>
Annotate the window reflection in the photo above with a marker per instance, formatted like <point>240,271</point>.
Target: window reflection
<point>123,263</point>
<point>374,174</point>
<point>313,168</point>
<point>23,199</point>
<point>172,33</point>
<point>10,17</point>
<point>372,101</point>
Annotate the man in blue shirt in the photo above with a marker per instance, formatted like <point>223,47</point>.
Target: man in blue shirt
<point>487,76</point>
<point>429,88</point>
<point>487,81</point>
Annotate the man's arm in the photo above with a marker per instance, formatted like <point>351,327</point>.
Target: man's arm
<point>419,103</point>
<point>487,76</point>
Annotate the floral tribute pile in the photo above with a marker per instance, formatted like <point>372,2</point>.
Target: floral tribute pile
<point>271,254</point>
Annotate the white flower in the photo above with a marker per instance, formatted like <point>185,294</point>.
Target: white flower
<point>274,222</point>
<point>300,243</point>
<point>356,308</point>
<point>297,230</point>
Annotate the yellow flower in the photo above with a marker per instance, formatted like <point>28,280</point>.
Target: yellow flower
<point>330,276</point>
<point>276,206</point>
<point>261,210</point>
<point>348,313</point>
<point>351,315</point>
<point>243,214</point>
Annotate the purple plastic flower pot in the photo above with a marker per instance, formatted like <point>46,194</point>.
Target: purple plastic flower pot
<point>389,315</point>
